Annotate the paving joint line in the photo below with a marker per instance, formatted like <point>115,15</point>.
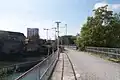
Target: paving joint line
<point>72,66</point>
<point>62,67</point>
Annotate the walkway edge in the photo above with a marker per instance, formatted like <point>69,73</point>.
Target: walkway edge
<point>71,66</point>
<point>62,67</point>
<point>53,70</point>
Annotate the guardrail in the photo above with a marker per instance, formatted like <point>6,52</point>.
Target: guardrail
<point>109,51</point>
<point>42,70</point>
<point>14,68</point>
<point>71,46</point>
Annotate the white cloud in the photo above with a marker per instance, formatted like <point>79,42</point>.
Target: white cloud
<point>97,5</point>
<point>114,7</point>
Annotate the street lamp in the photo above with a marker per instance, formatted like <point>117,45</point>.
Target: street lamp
<point>47,39</point>
<point>58,37</point>
<point>66,28</point>
<point>46,32</point>
<point>55,31</point>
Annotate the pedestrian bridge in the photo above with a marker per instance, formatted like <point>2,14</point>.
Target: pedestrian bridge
<point>57,66</point>
<point>84,66</point>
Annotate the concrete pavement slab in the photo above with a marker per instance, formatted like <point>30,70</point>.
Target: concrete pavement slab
<point>63,67</point>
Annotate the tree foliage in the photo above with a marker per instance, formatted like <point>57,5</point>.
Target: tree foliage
<point>67,39</point>
<point>101,30</point>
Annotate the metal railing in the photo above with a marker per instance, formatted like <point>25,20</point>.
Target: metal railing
<point>42,70</point>
<point>109,51</point>
<point>6,70</point>
<point>71,47</point>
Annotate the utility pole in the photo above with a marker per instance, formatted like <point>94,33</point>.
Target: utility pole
<point>47,40</point>
<point>58,36</point>
<point>55,31</point>
<point>66,28</point>
<point>46,32</point>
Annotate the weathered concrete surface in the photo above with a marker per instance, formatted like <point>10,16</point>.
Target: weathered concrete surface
<point>58,69</point>
<point>67,69</point>
<point>68,72</point>
<point>93,68</point>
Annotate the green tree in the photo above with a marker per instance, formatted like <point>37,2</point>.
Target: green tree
<point>67,39</point>
<point>101,30</point>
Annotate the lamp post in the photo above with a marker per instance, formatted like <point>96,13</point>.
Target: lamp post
<point>66,28</point>
<point>58,37</point>
<point>47,39</point>
<point>55,31</point>
<point>46,32</point>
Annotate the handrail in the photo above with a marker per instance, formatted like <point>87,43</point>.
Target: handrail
<point>46,71</point>
<point>46,63</point>
<point>30,70</point>
<point>19,64</point>
<point>109,51</point>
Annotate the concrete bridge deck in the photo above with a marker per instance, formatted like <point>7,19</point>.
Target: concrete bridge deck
<point>91,67</point>
<point>63,69</point>
<point>76,65</point>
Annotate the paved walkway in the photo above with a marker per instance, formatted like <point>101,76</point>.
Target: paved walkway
<point>63,69</point>
<point>93,68</point>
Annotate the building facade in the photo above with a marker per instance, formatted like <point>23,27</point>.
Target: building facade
<point>11,42</point>
<point>32,32</point>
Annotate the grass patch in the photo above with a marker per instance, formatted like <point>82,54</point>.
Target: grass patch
<point>114,60</point>
<point>106,57</point>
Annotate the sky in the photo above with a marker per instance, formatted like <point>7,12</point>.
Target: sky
<point>17,15</point>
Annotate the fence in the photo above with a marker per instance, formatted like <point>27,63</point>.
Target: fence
<point>71,46</point>
<point>7,70</point>
<point>42,70</point>
<point>112,52</point>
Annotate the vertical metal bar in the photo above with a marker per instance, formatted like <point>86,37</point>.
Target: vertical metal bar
<point>58,36</point>
<point>47,34</point>
<point>66,28</point>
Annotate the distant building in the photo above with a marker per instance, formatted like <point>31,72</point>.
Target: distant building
<point>11,42</point>
<point>32,33</point>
